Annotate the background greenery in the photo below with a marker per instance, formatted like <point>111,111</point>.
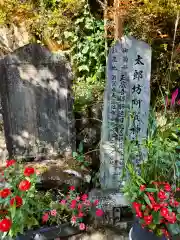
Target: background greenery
<point>79,28</point>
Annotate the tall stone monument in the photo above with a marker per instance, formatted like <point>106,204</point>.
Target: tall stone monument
<point>126,108</point>
<point>37,102</point>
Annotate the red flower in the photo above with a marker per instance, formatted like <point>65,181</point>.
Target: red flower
<point>171,217</point>
<point>80,214</point>
<point>163,204</point>
<point>151,198</point>
<point>99,212</point>
<point>5,192</point>
<point>156,207</point>
<point>10,162</point>
<point>142,188</point>
<point>45,217</point>
<point>29,171</point>
<point>174,203</point>
<point>84,197</point>
<point>162,195</point>
<point>5,225</point>
<point>96,202</point>
<point>167,187</point>
<point>148,219</point>
<point>164,212</point>
<point>24,185</point>
<point>139,214</point>
<point>71,188</point>
<point>73,204</point>
<point>17,201</point>
<point>136,205</point>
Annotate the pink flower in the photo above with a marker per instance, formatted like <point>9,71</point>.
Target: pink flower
<point>53,212</point>
<point>84,197</point>
<point>82,226</point>
<point>73,204</point>
<point>174,96</point>
<point>167,187</point>
<point>63,202</point>
<point>73,219</point>
<point>77,198</point>
<point>45,217</point>
<point>87,203</point>
<point>38,172</point>
<point>71,188</point>
<point>96,202</point>
<point>80,214</point>
<point>79,206</point>
<point>99,212</point>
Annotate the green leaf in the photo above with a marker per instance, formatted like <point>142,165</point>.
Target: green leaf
<point>13,211</point>
<point>86,164</point>
<point>178,217</point>
<point>83,68</point>
<point>174,228</point>
<point>156,217</point>
<point>147,200</point>
<point>4,235</point>
<point>85,49</point>
<point>178,210</point>
<point>143,207</point>
<point>151,190</point>
<point>79,20</point>
<point>142,180</point>
<point>74,154</point>
<point>67,34</point>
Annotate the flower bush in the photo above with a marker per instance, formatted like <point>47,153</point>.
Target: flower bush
<point>157,208</point>
<point>80,207</point>
<point>22,207</point>
<point>18,199</point>
<point>153,182</point>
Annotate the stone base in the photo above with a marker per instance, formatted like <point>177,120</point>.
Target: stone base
<point>111,202</point>
<point>109,197</point>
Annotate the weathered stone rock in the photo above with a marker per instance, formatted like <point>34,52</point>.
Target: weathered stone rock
<point>37,102</point>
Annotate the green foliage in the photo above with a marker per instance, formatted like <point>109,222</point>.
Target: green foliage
<point>28,213</point>
<point>154,22</point>
<point>86,38</point>
<point>162,161</point>
<point>80,157</point>
<point>161,166</point>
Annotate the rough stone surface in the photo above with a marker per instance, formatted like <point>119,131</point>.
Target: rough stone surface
<point>13,37</point>
<point>37,102</point>
<point>104,234</point>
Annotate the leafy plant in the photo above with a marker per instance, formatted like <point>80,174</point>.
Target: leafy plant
<point>80,157</point>
<point>87,50</point>
<point>156,207</point>
<point>20,204</point>
<point>153,184</point>
<point>79,207</point>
